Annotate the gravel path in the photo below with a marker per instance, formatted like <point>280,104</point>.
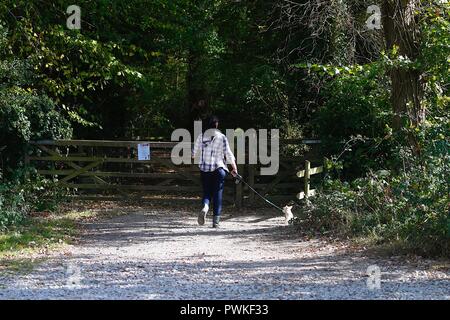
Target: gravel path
<point>152,254</point>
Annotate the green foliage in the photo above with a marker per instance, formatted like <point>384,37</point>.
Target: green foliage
<point>25,113</point>
<point>26,191</point>
<point>27,116</point>
<point>434,60</point>
<point>356,105</point>
<point>36,233</point>
<point>13,206</point>
<point>135,66</point>
<point>409,208</point>
<point>378,187</point>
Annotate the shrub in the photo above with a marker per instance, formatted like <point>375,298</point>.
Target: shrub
<point>13,207</point>
<point>25,113</point>
<point>356,104</point>
<point>26,191</point>
<point>409,208</point>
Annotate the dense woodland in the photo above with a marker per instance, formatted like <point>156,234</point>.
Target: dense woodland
<point>378,98</point>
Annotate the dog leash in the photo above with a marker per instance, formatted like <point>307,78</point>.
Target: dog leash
<point>240,179</point>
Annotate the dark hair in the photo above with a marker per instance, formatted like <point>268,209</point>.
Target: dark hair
<point>210,123</point>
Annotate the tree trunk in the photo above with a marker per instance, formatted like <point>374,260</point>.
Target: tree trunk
<point>402,31</point>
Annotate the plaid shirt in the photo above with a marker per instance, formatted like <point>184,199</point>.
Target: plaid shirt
<point>211,151</point>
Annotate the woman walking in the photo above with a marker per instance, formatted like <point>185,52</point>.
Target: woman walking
<point>212,149</point>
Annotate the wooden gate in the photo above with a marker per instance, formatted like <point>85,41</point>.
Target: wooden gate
<point>285,186</point>
<point>110,170</point>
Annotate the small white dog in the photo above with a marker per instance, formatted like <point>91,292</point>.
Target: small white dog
<point>288,215</point>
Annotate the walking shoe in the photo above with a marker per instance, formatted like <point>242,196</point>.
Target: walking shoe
<point>216,220</point>
<point>202,215</point>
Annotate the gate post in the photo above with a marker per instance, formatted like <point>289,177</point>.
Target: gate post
<point>26,157</point>
<point>239,189</point>
<point>307,176</point>
<point>251,181</point>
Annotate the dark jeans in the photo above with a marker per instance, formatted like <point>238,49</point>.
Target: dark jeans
<point>213,183</point>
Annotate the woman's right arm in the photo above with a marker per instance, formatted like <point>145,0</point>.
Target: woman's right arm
<point>197,146</point>
<point>229,156</point>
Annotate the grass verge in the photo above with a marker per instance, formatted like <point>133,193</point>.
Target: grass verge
<point>24,245</point>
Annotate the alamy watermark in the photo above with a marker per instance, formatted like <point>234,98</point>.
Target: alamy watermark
<point>374,21</point>
<point>374,277</point>
<point>74,20</point>
<point>73,273</point>
<point>258,146</point>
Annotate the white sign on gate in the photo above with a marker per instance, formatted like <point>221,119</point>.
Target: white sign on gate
<point>144,151</point>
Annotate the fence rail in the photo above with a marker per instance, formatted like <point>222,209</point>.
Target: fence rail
<point>306,175</point>
<point>104,169</point>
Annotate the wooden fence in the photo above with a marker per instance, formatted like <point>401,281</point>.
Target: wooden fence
<point>306,175</point>
<point>110,170</point>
